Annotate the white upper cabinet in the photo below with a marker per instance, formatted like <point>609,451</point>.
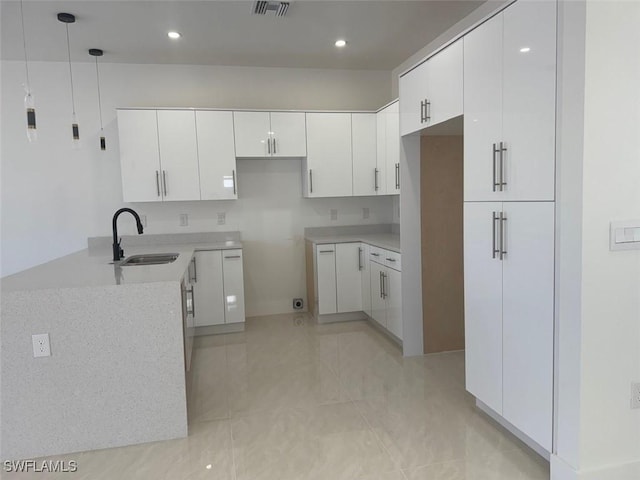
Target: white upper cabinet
<point>288,134</point>
<point>216,153</point>
<point>139,155</point>
<point>180,178</point>
<point>432,92</point>
<point>391,116</point>
<point>364,140</point>
<point>270,134</point>
<point>509,105</point>
<point>380,180</point>
<point>328,166</point>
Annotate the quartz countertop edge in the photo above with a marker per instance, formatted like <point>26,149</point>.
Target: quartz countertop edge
<point>94,268</point>
<point>388,241</point>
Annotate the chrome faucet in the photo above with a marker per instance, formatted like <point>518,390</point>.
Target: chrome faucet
<point>118,253</point>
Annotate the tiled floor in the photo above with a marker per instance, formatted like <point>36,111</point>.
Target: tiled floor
<point>288,399</point>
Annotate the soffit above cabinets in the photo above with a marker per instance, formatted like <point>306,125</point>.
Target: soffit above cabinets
<point>379,34</point>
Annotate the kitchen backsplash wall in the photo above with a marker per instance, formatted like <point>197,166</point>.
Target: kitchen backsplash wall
<point>54,197</point>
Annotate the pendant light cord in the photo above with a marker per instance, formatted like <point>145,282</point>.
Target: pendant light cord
<point>99,97</point>
<point>24,45</point>
<point>73,101</point>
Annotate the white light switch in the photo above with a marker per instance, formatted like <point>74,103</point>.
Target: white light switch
<point>625,235</point>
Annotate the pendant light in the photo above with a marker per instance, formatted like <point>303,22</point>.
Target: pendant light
<point>68,18</point>
<point>29,101</point>
<point>96,52</point>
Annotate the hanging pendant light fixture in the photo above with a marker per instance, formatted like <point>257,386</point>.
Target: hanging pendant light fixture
<point>96,52</point>
<point>29,101</point>
<point>68,18</point>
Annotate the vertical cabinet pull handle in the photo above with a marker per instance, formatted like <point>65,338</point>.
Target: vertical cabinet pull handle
<point>311,180</point>
<point>233,175</point>
<point>422,115</point>
<point>397,176</point>
<point>375,179</point>
<point>274,146</point>
<point>494,224</point>
<point>496,184</point>
<point>164,181</point>
<point>503,235</point>
<point>193,302</point>
<point>359,258</point>
<point>503,149</point>
<point>427,110</point>
<point>195,270</point>
<point>269,146</point>
<point>158,182</point>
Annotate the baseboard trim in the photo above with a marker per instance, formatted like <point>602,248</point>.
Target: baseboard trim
<point>536,447</point>
<point>560,470</point>
<point>341,317</point>
<point>219,329</point>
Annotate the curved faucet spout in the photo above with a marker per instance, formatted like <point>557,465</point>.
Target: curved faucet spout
<point>118,253</point>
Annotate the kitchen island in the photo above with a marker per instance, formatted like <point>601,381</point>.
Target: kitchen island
<point>116,374</point>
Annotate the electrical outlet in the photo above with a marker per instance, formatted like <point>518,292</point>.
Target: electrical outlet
<point>222,218</point>
<point>184,219</point>
<point>41,347</point>
<point>334,214</point>
<point>635,395</point>
<point>365,213</point>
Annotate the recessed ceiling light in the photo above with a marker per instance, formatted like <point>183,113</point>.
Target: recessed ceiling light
<point>174,35</point>
<point>340,43</point>
<point>525,49</point>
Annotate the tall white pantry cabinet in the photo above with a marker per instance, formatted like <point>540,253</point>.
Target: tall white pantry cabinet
<point>509,214</point>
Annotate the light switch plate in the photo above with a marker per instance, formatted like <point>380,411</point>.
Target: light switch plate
<point>624,235</point>
<point>41,347</point>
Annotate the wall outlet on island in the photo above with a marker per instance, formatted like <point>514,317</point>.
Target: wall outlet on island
<point>184,219</point>
<point>41,347</point>
<point>635,395</point>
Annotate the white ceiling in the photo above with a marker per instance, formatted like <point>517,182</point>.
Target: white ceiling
<point>380,34</point>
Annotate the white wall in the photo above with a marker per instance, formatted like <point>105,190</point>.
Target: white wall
<point>54,197</point>
<point>600,353</point>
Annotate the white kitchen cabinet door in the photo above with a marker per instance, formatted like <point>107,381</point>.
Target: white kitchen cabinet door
<point>393,292</point>
<point>365,278</point>
<point>483,303</point>
<point>380,180</point>
<point>326,278</point>
<point>444,84</point>
<point>289,134</point>
<point>413,93</point>
<point>329,163</point>
<point>482,109</point>
<point>364,141</point>
<point>529,100</point>
<point>216,154</point>
<point>348,282</point>
<point>180,178</point>
<point>378,302</point>
<point>139,155</point>
<point>233,278</point>
<point>252,134</point>
<point>528,310</point>
<point>208,288</point>
<point>392,148</point>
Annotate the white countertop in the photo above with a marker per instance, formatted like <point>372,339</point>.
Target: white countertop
<point>93,268</point>
<point>389,241</point>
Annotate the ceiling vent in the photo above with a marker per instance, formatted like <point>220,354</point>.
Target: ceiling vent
<point>279,9</point>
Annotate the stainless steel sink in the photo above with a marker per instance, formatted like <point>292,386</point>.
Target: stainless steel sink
<point>149,259</point>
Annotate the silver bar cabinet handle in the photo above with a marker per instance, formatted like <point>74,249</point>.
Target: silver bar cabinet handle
<point>495,168</point>
<point>503,149</point>
<point>158,182</point>
<point>427,110</point>
<point>375,179</point>
<point>269,146</point>
<point>326,251</point>
<point>195,269</point>
<point>234,256</point>
<point>494,250</point>
<point>397,176</point>
<point>422,111</point>
<point>359,258</point>
<point>164,181</point>
<point>233,174</point>
<point>311,180</point>
<point>384,285</point>
<point>503,235</point>
<point>274,146</point>
<point>193,302</point>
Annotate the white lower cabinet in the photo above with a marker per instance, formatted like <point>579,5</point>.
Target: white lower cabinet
<point>365,278</point>
<point>348,277</point>
<point>218,284</point>
<point>326,279</point>
<point>386,291</point>
<point>509,305</point>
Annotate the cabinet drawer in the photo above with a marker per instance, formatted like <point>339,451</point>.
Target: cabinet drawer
<point>376,254</point>
<point>392,260</point>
